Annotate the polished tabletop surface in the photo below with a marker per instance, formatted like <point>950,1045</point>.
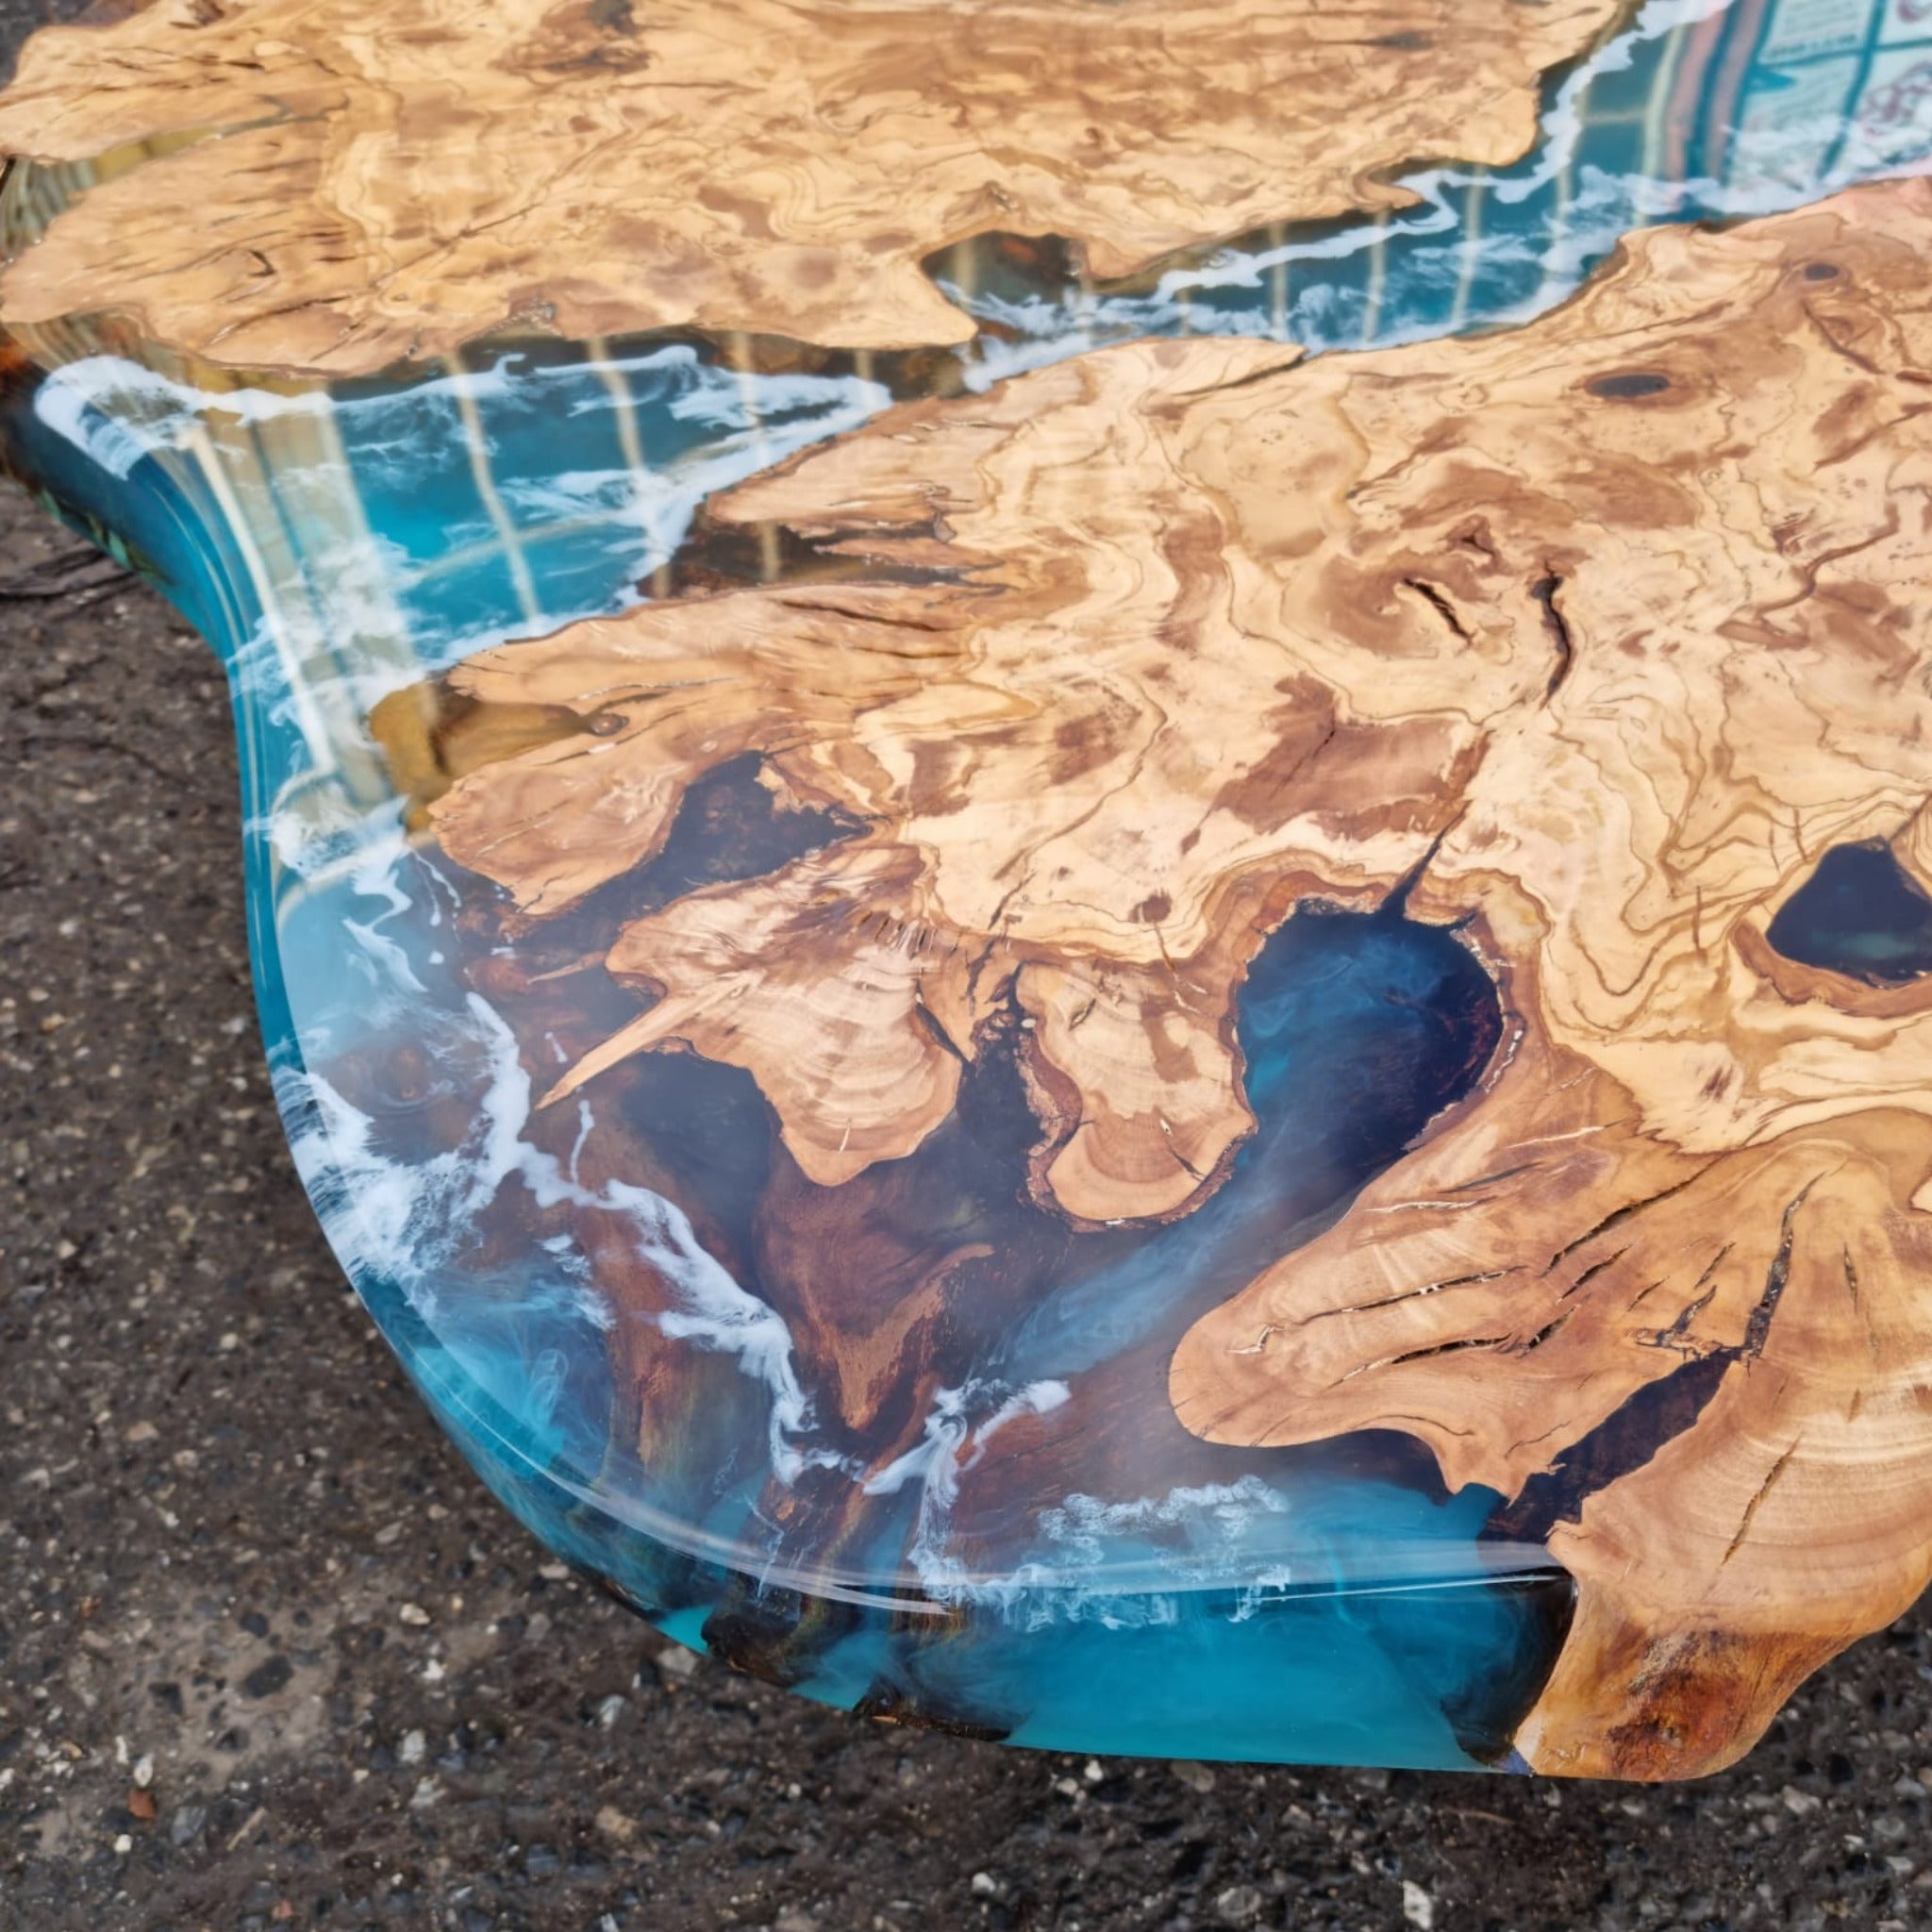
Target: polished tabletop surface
<point>1087,842</point>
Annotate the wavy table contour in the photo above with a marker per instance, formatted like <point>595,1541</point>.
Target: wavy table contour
<point>1199,1049</point>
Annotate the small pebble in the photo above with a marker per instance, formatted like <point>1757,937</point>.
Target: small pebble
<point>1240,1905</point>
<point>267,1677</point>
<point>613,1824</point>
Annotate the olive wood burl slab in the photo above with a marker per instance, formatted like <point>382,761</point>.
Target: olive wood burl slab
<point>1590,639</point>
<point>333,186</point>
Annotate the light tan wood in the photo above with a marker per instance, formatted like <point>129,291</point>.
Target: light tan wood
<point>1067,834</point>
<point>338,185</point>
<point>1590,636</point>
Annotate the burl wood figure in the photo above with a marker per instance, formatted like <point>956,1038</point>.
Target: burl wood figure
<point>1599,641</point>
<point>334,186</point>
<point>873,930</point>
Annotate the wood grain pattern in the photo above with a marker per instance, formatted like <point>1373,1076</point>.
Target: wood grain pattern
<point>333,186</point>
<point>1592,638</point>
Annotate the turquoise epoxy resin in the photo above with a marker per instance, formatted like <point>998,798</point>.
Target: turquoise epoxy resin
<point>884,1411</point>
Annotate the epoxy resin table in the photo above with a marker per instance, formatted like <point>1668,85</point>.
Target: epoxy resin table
<point>1089,841</point>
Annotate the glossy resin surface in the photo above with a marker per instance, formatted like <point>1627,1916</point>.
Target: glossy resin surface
<point>1147,972</point>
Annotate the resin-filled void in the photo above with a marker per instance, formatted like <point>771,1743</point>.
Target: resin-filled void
<point>979,1513</point>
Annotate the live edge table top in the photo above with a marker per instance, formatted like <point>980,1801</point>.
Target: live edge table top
<point>1090,840</point>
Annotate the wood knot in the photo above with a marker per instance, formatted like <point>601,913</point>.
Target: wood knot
<point>1628,385</point>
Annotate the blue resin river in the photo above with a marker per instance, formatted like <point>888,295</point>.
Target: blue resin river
<point>1128,1590</point>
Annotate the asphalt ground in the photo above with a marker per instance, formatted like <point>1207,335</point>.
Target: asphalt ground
<point>270,1656</point>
